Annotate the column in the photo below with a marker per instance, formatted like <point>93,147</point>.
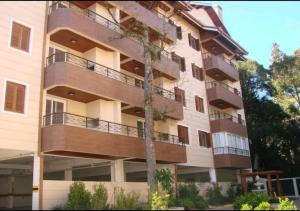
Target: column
<point>238,176</point>
<point>117,171</point>
<point>68,174</point>
<point>11,180</point>
<point>213,175</point>
<point>36,182</point>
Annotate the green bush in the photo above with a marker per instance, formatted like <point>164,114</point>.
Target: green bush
<point>189,198</point>
<point>200,203</point>
<point>78,198</point>
<point>186,203</point>
<point>263,206</point>
<point>286,204</point>
<point>166,179</point>
<point>233,191</point>
<point>124,201</point>
<point>246,207</point>
<point>251,199</point>
<point>273,200</point>
<point>159,201</point>
<point>99,198</point>
<point>214,195</point>
<point>188,190</point>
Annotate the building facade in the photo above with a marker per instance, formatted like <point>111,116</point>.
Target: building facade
<point>72,102</point>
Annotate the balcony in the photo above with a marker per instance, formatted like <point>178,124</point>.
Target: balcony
<point>66,73</point>
<point>73,135</point>
<point>158,23</point>
<point>83,29</point>
<point>219,69</point>
<point>232,158</point>
<point>223,96</point>
<point>222,122</point>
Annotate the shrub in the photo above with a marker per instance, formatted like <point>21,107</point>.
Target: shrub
<point>166,179</point>
<point>189,191</point>
<point>273,200</point>
<point>263,206</point>
<point>78,198</point>
<point>286,204</point>
<point>251,199</point>
<point>234,191</point>
<point>189,198</point>
<point>200,203</point>
<point>246,207</point>
<point>99,198</point>
<point>186,203</point>
<point>124,201</point>
<point>214,195</point>
<point>159,201</point>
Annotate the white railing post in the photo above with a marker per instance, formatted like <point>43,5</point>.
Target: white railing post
<point>295,187</point>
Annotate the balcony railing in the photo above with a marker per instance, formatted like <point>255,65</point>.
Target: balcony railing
<point>105,71</point>
<point>209,55</point>
<point>225,116</point>
<point>231,150</point>
<point>154,11</point>
<point>64,118</point>
<point>100,20</point>
<point>212,84</point>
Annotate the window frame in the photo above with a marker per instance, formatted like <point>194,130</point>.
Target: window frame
<point>182,95</point>
<point>196,101</point>
<point>198,69</point>
<point>208,141</point>
<point>29,52</point>
<point>188,133</point>
<point>25,114</point>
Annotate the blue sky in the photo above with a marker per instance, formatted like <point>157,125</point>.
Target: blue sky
<point>256,25</point>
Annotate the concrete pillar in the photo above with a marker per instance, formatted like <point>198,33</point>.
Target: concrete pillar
<point>213,175</point>
<point>117,171</point>
<point>68,174</point>
<point>36,182</point>
<point>11,180</point>
<point>238,177</point>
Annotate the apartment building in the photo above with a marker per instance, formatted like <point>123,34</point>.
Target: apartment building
<point>72,102</point>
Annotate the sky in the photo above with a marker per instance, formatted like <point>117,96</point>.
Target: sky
<point>256,25</point>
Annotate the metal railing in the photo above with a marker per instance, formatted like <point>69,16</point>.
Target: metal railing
<point>231,150</point>
<point>99,19</point>
<point>212,84</point>
<point>64,118</point>
<point>105,71</point>
<point>221,115</point>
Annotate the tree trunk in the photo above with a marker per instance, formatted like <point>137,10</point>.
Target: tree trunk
<point>148,99</point>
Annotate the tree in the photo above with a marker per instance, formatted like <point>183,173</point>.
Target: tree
<point>276,54</point>
<point>271,131</point>
<point>151,53</point>
<point>286,82</point>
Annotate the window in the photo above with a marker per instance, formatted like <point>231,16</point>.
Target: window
<point>179,32</point>
<point>193,42</point>
<point>197,72</point>
<point>204,139</point>
<point>15,97</point>
<point>141,129</point>
<point>199,104</point>
<point>54,112</point>
<point>20,37</point>
<point>180,95</point>
<point>179,60</point>
<point>183,134</point>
